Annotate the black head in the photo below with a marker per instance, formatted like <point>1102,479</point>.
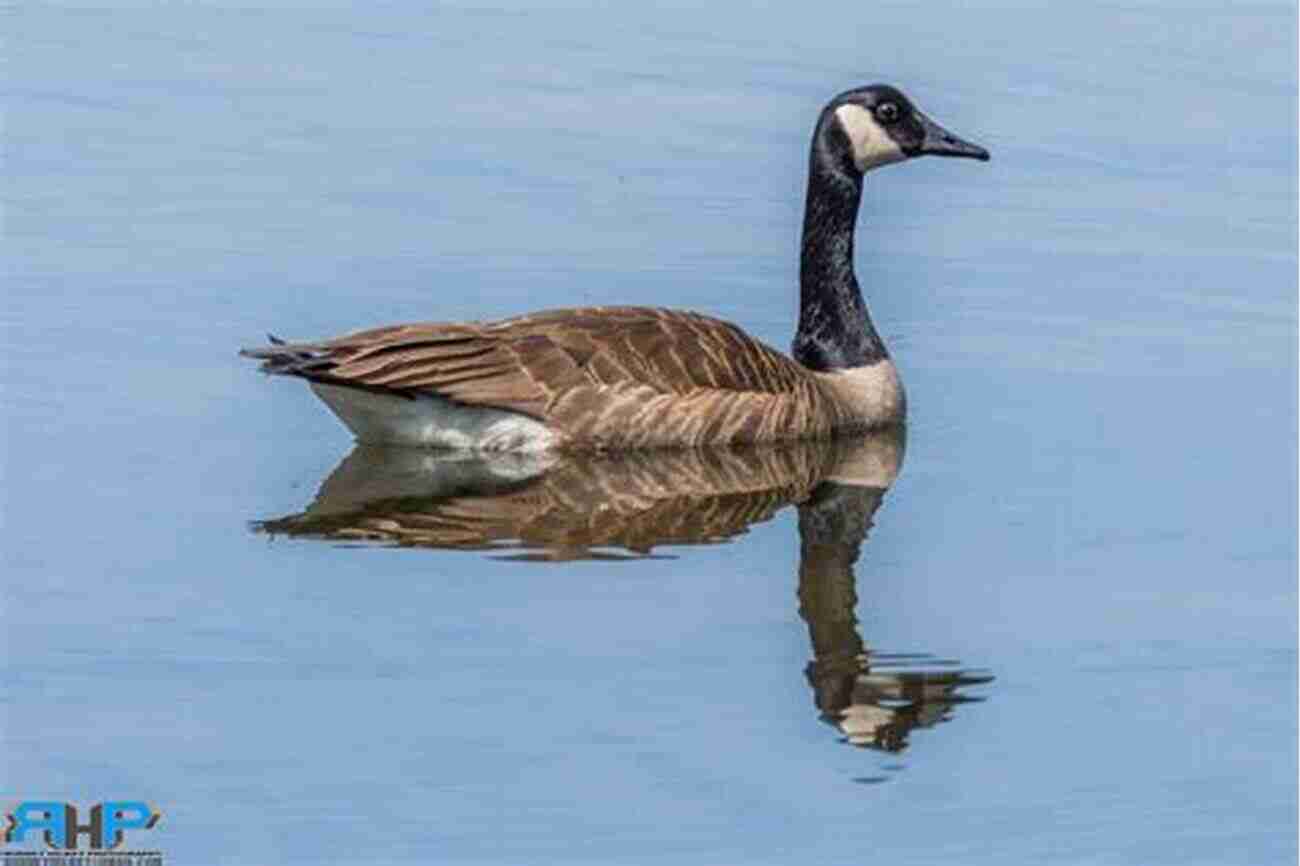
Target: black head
<point>877,125</point>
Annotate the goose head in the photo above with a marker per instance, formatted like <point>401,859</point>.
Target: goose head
<point>877,125</point>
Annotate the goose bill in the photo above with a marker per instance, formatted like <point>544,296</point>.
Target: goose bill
<point>940,142</point>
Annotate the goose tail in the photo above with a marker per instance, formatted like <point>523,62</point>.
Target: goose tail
<point>288,359</point>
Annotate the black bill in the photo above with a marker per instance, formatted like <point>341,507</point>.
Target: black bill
<point>940,142</point>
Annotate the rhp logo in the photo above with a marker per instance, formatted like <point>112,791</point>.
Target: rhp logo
<point>58,825</point>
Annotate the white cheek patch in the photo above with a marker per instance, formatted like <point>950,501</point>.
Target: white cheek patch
<point>872,146</point>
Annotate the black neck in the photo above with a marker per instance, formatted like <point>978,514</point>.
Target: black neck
<point>835,330</point>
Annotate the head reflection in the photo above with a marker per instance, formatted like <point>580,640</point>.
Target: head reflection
<point>565,507</point>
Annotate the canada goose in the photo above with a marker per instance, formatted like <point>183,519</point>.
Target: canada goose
<point>636,377</point>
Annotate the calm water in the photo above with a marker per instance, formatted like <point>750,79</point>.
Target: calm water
<point>1097,505</point>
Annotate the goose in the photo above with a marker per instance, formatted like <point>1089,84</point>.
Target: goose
<point>618,378</point>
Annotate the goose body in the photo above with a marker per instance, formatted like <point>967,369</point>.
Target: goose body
<point>641,377</point>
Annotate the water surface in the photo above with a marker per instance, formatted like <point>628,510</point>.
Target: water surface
<point>1097,505</point>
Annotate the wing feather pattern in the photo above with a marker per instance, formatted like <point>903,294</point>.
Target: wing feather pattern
<point>603,377</point>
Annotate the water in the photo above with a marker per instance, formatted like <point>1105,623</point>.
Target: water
<point>1097,505</point>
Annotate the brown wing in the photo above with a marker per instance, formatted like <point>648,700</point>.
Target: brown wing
<point>615,375</point>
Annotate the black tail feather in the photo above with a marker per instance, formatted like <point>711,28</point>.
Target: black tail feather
<point>287,358</point>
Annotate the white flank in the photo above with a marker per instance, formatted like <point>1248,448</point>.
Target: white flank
<point>872,146</point>
<point>433,422</point>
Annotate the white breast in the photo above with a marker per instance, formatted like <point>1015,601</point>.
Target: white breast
<point>873,393</point>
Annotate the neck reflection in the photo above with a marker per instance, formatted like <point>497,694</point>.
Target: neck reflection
<point>874,699</point>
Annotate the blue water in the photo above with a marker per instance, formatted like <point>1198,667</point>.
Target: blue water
<point>1097,331</point>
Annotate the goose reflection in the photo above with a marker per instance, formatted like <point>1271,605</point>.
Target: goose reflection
<point>629,505</point>
<point>874,699</point>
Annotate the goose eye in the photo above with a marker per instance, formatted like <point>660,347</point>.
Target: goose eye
<point>887,112</point>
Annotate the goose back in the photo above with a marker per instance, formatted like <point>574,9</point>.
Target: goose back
<point>599,377</point>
